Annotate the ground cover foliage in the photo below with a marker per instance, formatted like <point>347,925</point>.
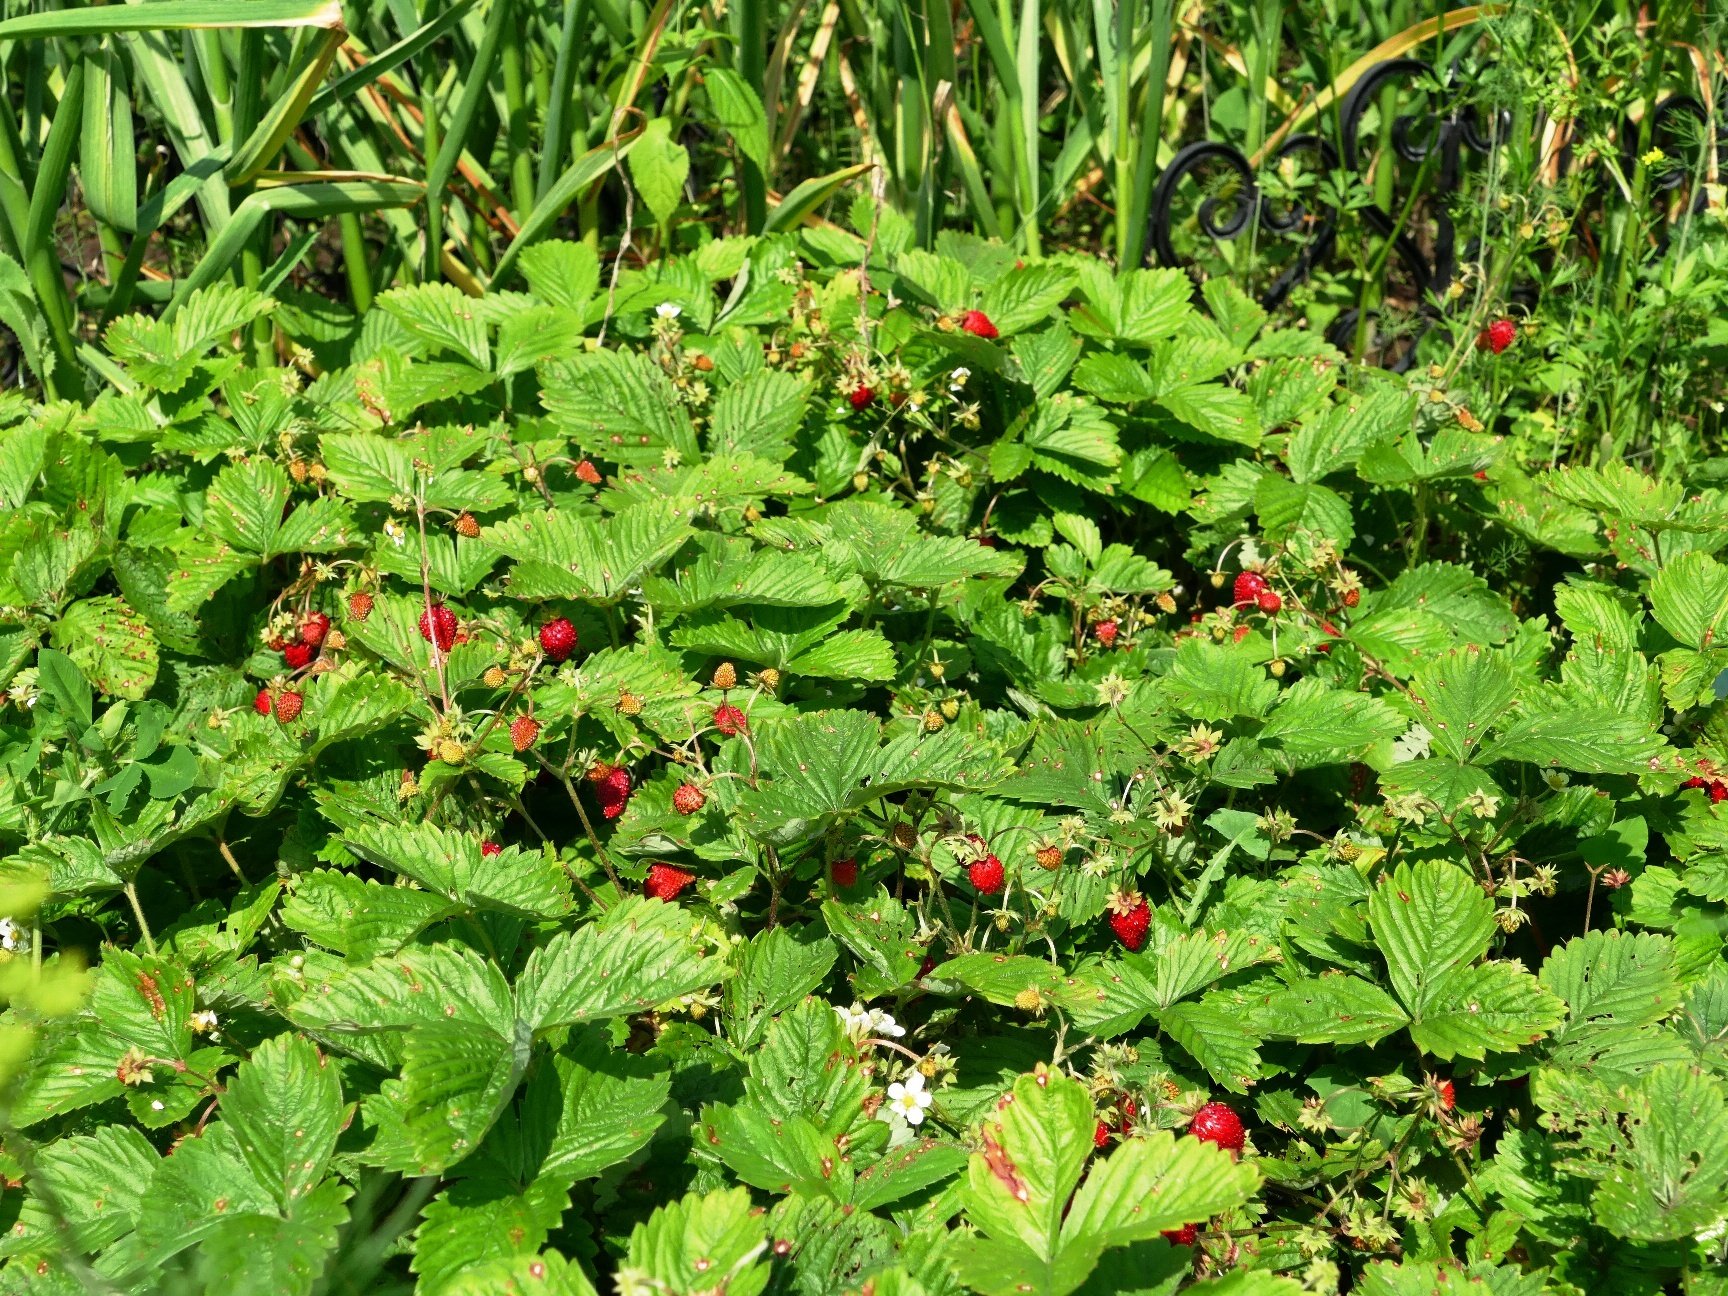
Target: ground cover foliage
<point>634,658</point>
<point>815,793</point>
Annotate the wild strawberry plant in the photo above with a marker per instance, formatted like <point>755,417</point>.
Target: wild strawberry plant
<point>554,790</point>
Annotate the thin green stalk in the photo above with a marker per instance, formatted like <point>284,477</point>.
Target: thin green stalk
<point>354,264</point>
<point>441,160</point>
<point>36,241</point>
<point>562,105</point>
<point>749,23</point>
<point>513,59</point>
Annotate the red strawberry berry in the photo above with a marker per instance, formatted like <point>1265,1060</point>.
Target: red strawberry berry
<point>288,707</point>
<point>1130,918</point>
<point>729,720</point>
<point>467,525</point>
<point>1218,1123</point>
<point>1693,782</point>
<point>1106,632</point>
<point>1268,601</point>
<point>297,655</point>
<point>1497,336</point>
<point>1248,588</point>
<point>989,542</point>
<point>665,881</point>
<point>586,471</point>
<point>523,731</point>
<point>688,799</point>
<point>986,875</point>
<point>1718,792</point>
<point>612,791</point>
<point>978,324</point>
<point>1448,1095</point>
<point>558,638</point>
<point>359,605</point>
<point>314,628</point>
<point>490,848</point>
<point>263,705</point>
<point>844,872</point>
<point>1101,1135</point>
<point>1352,597</point>
<point>1187,1235</point>
<point>861,396</point>
<point>438,626</point>
<point>1130,1109</point>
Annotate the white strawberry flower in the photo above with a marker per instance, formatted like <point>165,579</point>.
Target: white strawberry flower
<point>884,1025</point>
<point>668,310</point>
<point>957,379</point>
<point>855,1019</point>
<point>909,1098</point>
<point>202,1022</point>
<point>10,936</point>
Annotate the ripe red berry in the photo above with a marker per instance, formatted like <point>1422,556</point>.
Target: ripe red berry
<point>1497,336</point>
<point>558,638</point>
<point>1718,792</point>
<point>612,791</point>
<point>359,605</point>
<point>844,872</point>
<point>1101,1135</point>
<point>1218,1123</point>
<point>586,471</point>
<point>297,655</point>
<point>489,848</point>
<point>665,881</point>
<point>1106,632</point>
<point>986,875</point>
<point>314,628</point>
<point>978,324</point>
<point>1247,588</point>
<point>263,705</point>
<point>288,707</point>
<point>687,799</point>
<point>1448,1095</point>
<point>1130,1109</point>
<point>989,542</point>
<point>1693,782</point>
<point>523,731</point>
<point>467,526</point>
<point>1187,1235</point>
<point>1130,919</point>
<point>729,720</point>
<point>1267,601</point>
<point>438,626</point>
<point>861,396</point>
<point>1352,597</point>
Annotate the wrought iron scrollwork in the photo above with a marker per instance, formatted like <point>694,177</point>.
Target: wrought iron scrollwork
<point>1298,235</point>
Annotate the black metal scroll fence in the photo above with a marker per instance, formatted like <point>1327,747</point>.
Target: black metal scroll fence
<point>1210,194</point>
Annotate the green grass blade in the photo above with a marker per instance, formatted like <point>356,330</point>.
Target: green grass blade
<point>442,164</point>
<point>273,130</point>
<point>55,166</point>
<point>107,156</point>
<point>585,171</point>
<point>388,60</point>
<point>560,100</point>
<point>803,201</point>
<point>174,15</point>
<point>317,201</point>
